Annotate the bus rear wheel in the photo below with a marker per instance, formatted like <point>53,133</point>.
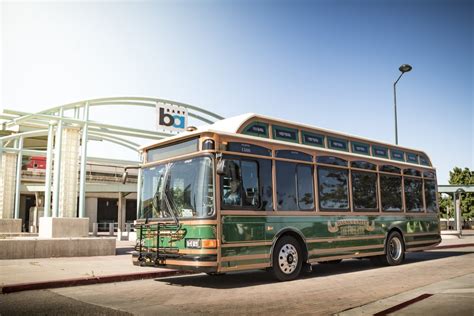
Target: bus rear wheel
<point>287,259</point>
<point>394,251</point>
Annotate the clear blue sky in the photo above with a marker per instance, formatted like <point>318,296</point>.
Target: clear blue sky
<point>325,63</point>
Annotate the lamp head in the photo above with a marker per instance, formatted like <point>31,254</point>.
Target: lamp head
<point>405,68</point>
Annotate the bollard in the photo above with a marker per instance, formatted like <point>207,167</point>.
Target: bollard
<point>95,229</point>
<point>111,229</point>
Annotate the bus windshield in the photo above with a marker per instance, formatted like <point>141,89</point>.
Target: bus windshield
<point>183,188</point>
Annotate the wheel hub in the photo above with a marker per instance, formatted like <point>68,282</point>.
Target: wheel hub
<point>395,248</point>
<point>288,259</point>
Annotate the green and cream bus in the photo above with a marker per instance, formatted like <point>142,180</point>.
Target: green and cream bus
<point>254,192</point>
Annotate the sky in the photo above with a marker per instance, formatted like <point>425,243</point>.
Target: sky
<point>331,64</point>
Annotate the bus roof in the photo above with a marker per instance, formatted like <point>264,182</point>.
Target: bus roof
<point>261,126</point>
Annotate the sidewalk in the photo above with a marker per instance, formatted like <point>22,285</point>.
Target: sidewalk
<point>27,274</point>
<point>448,297</point>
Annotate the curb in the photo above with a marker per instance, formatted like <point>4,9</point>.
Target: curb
<point>454,246</point>
<point>12,288</point>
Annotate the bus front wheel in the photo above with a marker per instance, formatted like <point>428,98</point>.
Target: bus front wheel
<point>287,259</point>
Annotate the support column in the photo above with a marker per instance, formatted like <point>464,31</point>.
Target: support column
<point>121,215</point>
<point>457,205</point>
<point>57,164</point>
<point>7,194</point>
<point>7,185</point>
<point>139,194</point>
<point>82,176</point>
<point>19,163</point>
<point>69,171</point>
<point>49,167</point>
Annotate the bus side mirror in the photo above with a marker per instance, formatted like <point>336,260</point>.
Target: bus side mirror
<point>221,166</point>
<point>124,177</point>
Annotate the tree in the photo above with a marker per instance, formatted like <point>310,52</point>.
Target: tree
<point>459,176</point>
<point>446,205</point>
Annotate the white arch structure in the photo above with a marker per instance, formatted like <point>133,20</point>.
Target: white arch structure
<point>51,122</point>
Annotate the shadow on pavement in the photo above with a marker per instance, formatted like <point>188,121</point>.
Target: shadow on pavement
<point>124,251</point>
<point>253,278</point>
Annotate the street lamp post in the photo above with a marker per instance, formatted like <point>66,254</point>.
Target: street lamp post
<point>403,68</point>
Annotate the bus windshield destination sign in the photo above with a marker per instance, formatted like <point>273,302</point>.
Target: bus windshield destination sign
<point>248,149</point>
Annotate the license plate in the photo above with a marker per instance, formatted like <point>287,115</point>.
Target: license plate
<point>193,243</point>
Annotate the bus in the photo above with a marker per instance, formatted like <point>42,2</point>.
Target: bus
<point>254,192</point>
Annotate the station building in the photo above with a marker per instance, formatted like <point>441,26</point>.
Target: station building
<point>46,172</point>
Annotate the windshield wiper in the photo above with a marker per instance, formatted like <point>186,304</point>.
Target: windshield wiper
<point>166,199</point>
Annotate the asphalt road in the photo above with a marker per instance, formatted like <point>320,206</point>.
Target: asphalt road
<point>327,290</point>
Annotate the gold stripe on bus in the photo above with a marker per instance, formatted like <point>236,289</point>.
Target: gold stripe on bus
<point>199,222</point>
<point>323,213</point>
<point>245,257</point>
<point>336,239</point>
<point>191,263</point>
<point>198,251</point>
<point>152,222</point>
<point>356,255</point>
<point>420,234</point>
<point>247,244</point>
<point>245,267</point>
<point>431,241</point>
<point>331,250</point>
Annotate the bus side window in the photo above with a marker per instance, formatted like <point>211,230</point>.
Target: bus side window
<point>240,184</point>
<point>430,195</point>
<point>286,186</point>
<point>232,184</point>
<point>333,188</point>
<point>265,181</point>
<point>251,195</point>
<point>294,186</point>
<point>305,187</point>
<point>391,192</point>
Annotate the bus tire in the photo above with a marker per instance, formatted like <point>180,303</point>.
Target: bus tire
<point>394,251</point>
<point>287,259</point>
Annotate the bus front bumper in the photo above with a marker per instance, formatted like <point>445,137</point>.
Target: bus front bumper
<point>198,263</point>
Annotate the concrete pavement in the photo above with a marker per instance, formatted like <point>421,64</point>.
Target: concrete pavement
<point>449,297</point>
<point>329,289</point>
<point>29,274</point>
